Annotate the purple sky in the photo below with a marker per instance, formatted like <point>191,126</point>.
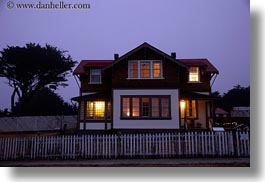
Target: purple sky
<point>215,29</point>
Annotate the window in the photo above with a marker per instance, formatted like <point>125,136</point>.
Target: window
<point>156,69</point>
<point>135,107</point>
<point>145,69</point>
<point>133,71</point>
<point>95,109</point>
<point>155,107</point>
<point>145,107</point>
<point>125,107</point>
<point>194,75</point>
<point>95,76</point>
<point>191,109</point>
<point>164,107</point>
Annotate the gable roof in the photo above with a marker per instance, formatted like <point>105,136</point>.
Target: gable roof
<point>204,63</point>
<point>220,111</point>
<point>146,45</point>
<point>81,68</point>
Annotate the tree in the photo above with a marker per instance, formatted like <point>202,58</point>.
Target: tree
<point>237,96</point>
<point>32,67</point>
<point>46,103</point>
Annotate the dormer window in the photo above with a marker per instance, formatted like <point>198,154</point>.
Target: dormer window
<point>145,69</point>
<point>194,74</point>
<point>95,76</point>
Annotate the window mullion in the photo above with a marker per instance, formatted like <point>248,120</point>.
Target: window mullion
<point>130,106</point>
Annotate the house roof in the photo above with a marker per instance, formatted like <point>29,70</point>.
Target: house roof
<point>81,68</point>
<point>220,111</point>
<point>186,63</point>
<point>204,63</point>
<point>146,45</point>
<point>196,96</point>
<point>96,96</point>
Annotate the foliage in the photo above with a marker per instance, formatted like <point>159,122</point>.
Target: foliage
<point>237,96</point>
<point>32,67</point>
<point>46,103</point>
<point>4,113</point>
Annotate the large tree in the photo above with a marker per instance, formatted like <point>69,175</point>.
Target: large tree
<point>46,103</point>
<point>33,67</point>
<point>237,96</point>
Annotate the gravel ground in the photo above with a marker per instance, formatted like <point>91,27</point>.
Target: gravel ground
<point>187,162</point>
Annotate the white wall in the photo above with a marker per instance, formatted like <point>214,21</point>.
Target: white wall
<point>146,124</point>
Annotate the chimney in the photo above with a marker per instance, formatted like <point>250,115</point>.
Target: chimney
<point>173,55</point>
<point>116,56</point>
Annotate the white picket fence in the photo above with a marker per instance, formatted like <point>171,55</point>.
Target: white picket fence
<point>145,145</point>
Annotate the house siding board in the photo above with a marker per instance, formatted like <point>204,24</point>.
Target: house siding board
<point>202,86</point>
<point>104,86</point>
<point>172,123</point>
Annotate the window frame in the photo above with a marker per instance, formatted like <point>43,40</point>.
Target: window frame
<point>191,109</point>
<point>100,76</point>
<point>150,110</point>
<point>94,112</point>
<point>194,74</point>
<point>139,69</point>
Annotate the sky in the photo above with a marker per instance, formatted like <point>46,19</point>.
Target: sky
<point>218,30</point>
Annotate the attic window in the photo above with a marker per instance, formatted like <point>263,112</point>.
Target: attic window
<point>145,69</point>
<point>95,76</point>
<point>194,74</point>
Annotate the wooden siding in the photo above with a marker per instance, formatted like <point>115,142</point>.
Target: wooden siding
<point>202,86</point>
<point>87,87</point>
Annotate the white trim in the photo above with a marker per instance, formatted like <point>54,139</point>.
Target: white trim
<point>172,123</point>
<point>139,62</point>
<point>87,93</point>
<point>100,81</point>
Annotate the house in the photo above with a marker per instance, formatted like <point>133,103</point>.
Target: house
<point>145,89</point>
<point>240,112</point>
<point>220,113</point>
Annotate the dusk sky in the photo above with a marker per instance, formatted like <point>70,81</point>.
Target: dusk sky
<point>218,30</point>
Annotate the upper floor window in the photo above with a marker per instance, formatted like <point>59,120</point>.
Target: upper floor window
<point>194,74</point>
<point>95,75</point>
<point>145,69</point>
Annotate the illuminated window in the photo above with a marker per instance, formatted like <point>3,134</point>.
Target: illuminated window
<point>95,75</point>
<point>126,107</point>
<point>145,69</point>
<point>135,107</point>
<point>191,109</point>
<point>156,69</point>
<point>95,109</point>
<point>145,107</point>
<point>194,75</point>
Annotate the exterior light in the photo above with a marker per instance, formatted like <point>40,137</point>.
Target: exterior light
<point>182,104</point>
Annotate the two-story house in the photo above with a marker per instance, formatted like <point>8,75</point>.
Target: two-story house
<point>145,89</point>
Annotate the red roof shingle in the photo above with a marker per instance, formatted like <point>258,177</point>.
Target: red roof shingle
<point>204,63</point>
<point>81,68</point>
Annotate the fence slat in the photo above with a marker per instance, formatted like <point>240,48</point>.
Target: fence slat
<point>143,145</point>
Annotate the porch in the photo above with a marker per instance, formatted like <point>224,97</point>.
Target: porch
<point>196,110</point>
